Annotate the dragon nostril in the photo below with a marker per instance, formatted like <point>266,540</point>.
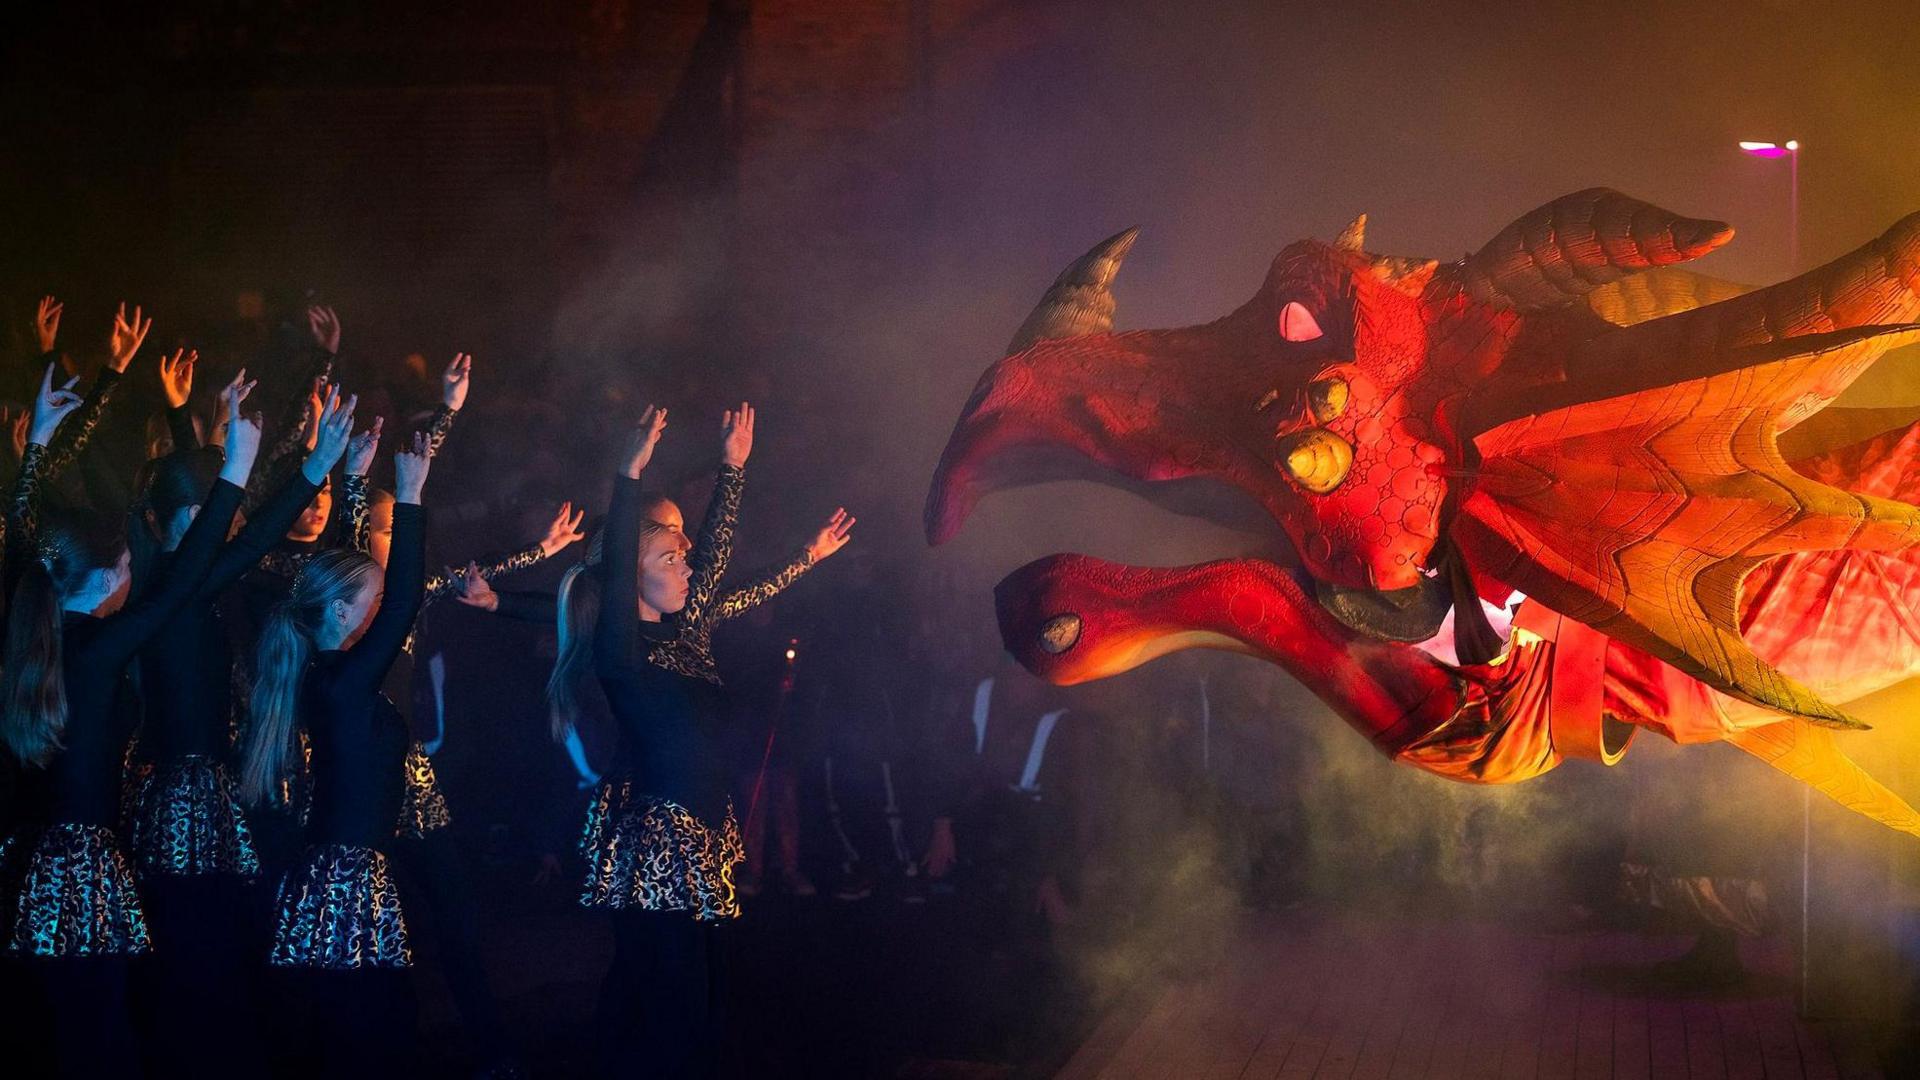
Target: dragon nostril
<point>1327,397</point>
<point>1060,633</point>
<point>1318,460</point>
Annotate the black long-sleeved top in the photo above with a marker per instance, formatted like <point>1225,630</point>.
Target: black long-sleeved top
<point>81,785</point>
<point>186,671</point>
<point>359,739</point>
<point>669,720</point>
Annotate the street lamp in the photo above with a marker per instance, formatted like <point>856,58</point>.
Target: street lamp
<point>1791,151</point>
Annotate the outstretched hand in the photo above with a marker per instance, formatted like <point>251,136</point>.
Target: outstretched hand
<point>564,530</point>
<point>46,323</point>
<point>641,441</point>
<point>336,428</point>
<point>50,406</point>
<point>454,382</point>
<point>325,327</point>
<point>472,590</point>
<point>361,450</point>
<point>736,435</point>
<point>243,440</point>
<point>410,466</point>
<point>235,391</point>
<point>176,376</point>
<point>832,536</point>
<point>127,337</point>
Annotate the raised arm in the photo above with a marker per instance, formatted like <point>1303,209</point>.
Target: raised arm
<point>51,406</point>
<point>272,520</point>
<point>302,408</point>
<point>470,585</point>
<point>176,386</point>
<point>770,582</point>
<point>354,487</point>
<point>367,662</point>
<point>615,634</point>
<point>453,397</point>
<point>713,548</point>
<point>125,341</point>
<point>126,631</point>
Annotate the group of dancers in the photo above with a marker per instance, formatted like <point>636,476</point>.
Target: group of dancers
<point>209,794</point>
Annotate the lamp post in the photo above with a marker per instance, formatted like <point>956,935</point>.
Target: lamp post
<point>1791,151</point>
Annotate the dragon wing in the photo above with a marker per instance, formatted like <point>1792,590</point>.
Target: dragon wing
<point>1642,514</point>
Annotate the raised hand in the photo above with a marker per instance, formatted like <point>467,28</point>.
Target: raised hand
<point>46,322</point>
<point>361,450</point>
<point>641,441</point>
<point>736,438</point>
<point>316,402</point>
<point>325,327</point>
<point>564,530</point>
<point>832,536</point>
<point>453,382</point>
<point>242,442</point>
<point>176,376</point>
<point>410,467</point>
<point>50,406</point>
<point>127,337</point>
<point>336,428</point>
<point>236,390</point>
<point>474,591</point>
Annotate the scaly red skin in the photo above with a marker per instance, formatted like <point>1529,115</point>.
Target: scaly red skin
<point>1393,694</point>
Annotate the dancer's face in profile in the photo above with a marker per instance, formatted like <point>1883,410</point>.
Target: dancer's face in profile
<point>663,561</point>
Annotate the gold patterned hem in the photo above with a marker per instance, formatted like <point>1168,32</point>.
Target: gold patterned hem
<point>423,808</point>
<point>651,854</point>
<point>76,897</point>
<point>339,910</point>
<point>186,821</point>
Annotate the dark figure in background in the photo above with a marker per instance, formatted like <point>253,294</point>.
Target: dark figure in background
<point>69,715</point>
<point>763,730</point>
<point>339,929</point>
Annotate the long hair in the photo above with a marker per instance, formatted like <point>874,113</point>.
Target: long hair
<point>33,690</point>
<point>280,664</point>
<point>576,614</point>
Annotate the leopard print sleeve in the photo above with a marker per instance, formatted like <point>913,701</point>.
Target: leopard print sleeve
<point>765,585</point>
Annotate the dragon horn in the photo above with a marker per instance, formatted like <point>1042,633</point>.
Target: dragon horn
<point>1081,298</point>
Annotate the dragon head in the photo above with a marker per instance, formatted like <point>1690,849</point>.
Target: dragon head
<point>1371,405</point>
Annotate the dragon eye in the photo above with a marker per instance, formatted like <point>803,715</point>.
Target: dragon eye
<point>1297,323</point>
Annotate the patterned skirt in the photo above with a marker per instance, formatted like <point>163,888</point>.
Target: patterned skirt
<point>422,807</point>
<point>340,910</point>
<point>655,855</point>
<point>75,896</point>
<point>186,821</point>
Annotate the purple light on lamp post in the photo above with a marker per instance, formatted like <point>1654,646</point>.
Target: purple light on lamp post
<point>1791,151</point>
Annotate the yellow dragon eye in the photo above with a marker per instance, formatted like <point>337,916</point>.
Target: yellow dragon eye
<point>1327,397</point>
<point>1318,460</point>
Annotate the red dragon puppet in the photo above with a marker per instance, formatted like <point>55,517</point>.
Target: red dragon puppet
<point>1536,499</point>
